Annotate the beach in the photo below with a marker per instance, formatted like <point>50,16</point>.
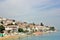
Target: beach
<point>10,37</point>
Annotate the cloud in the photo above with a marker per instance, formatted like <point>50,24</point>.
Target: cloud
<point>14,7</point>
<point>47,11</point>
<point>29,7</point>
<point>48,8</point>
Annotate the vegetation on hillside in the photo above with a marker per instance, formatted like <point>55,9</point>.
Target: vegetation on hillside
<point>2,28</point>
<point>20,30</point>
<point>42,24</point>
<point>52,28</point>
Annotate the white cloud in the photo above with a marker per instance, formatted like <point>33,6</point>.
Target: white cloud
<point>25,7</point>
<point>14,7</point>
<point>31,10</point>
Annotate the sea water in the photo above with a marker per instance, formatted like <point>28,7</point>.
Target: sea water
<point>48,36</point>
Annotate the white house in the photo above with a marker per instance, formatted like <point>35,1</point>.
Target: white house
<point>13,28</point>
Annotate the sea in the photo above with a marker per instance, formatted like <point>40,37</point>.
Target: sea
<point>48,36</point>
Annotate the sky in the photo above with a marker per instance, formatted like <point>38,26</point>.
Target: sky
<point>37,11</point>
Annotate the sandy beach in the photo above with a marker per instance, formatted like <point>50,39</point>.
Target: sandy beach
<point>9,37</point>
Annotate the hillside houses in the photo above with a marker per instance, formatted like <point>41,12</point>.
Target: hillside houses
<point>12,26</point>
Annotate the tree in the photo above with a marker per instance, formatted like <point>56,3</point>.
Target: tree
<point>42,24</point>
<point>1,22</point>
<point>2,28</point>
<point>10,24</point>
<point>13,20</point>
<point>33,23</point>
<point>25,22</point>
<point>9,31</point>
<point>16,24</point>
<point>20,30</point>
<point>52,28</point>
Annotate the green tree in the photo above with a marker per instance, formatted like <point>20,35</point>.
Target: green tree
<point>42,24</point>
<point>25,22</point>
<point>13,20</point>
<point>52,28</point>
<point>16,24</point>
<point>20,30</point>
<point>2,28</point>
<point>10,24</point>
<point>9,31</point>
<point>1,22</point>
<point>33,23</point>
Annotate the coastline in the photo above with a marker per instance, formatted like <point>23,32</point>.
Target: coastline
<point>10,37</point>
<point>16,37</point>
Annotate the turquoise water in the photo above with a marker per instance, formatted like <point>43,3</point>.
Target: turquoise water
<point>49,36</point>
<point>1,34</point>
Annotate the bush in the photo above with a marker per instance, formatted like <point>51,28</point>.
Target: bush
<point>42,24</point>
<point>2,28</point>
<point>20,30</point>
<point>52,28</point>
